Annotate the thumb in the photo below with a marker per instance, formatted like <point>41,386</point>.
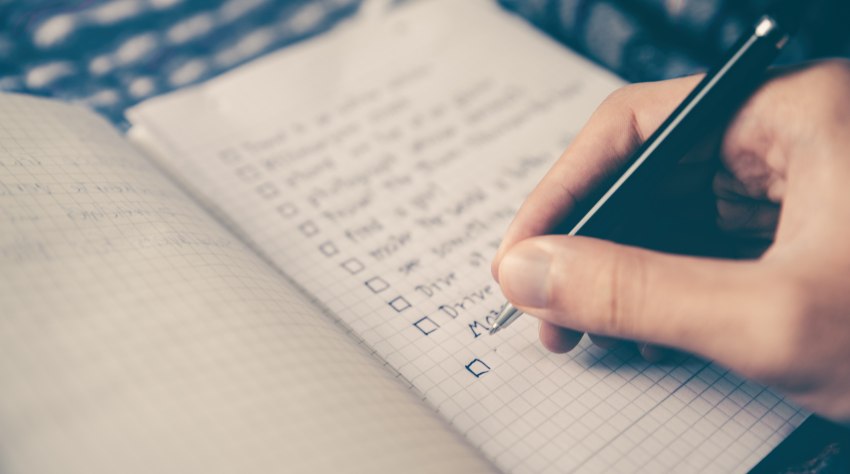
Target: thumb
<point>700,305</point>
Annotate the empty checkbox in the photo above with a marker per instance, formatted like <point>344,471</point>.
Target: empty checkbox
<point>328,249</point>
<point>353,266</point>
<point>426,325</point>
<point>287,210</point>
<point>376,284</point>
<point>247,173</point>
<point>477,367</point>
<point>399,304</point>
<point>268,191</point>
<point>309,229</point>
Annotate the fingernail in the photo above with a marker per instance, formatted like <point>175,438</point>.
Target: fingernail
<point>524,274</point>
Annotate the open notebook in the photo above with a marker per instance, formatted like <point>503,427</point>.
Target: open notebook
<point>285,269</point>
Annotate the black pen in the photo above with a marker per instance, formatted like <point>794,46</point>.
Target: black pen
<point>715,98</point>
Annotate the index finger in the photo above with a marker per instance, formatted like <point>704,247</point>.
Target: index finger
<point>619,126</point>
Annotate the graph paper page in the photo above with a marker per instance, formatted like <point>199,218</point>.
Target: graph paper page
<point>379,165</point>
<point>137,335</point>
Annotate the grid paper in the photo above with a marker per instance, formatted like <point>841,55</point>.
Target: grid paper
<point>382,186</point>
<point>137,335</point>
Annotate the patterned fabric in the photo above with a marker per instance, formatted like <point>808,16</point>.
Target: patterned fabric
<point>645,40</point>
<point>110,54</point>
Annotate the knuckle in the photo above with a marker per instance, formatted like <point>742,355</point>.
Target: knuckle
<point>624,282</point>
<point>838,68</point>
<point>622,108</point>
<point>826,73</point>
<point>621,100</point>
<point>622,95</point>
<point>831,82</point>
<point>726,221</point>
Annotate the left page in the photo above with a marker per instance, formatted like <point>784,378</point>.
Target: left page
<point>138,335</point>
<point>378,166</point>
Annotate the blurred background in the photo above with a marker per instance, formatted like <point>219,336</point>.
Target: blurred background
<point>110,54</point>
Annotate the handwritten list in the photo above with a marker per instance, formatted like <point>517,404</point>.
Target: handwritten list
<point>378,167</point>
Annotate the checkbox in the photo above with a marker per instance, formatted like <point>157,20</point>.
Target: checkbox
<point>328,249</point>
<point>247,173</point>
<point>399,304</point>
<point>229,156</point>
<point>376,284</point>
<point>309,229</point>
<point>426,325</point>
<point>353,266</point>
<point>268,191</point>
<point>477,367</point>
<point>287,210</point>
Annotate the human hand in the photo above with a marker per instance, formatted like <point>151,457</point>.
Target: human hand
<point>781,176</point>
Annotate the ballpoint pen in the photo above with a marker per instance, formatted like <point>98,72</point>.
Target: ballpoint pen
<point>716,97</point>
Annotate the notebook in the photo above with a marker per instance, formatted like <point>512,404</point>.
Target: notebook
<point>286,269</point>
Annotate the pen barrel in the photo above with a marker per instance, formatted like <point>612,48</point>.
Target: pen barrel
<point>711,104</point>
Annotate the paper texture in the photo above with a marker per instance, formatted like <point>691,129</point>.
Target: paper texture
<point>378,168</point>
<point>137,335</point>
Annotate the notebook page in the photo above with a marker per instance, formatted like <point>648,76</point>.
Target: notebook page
<point>137,335</point>
<point>379,165</point>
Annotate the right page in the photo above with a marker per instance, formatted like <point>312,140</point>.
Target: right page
<point>378,166</point>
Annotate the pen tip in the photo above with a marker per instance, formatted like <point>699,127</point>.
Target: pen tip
<point>494,329</point>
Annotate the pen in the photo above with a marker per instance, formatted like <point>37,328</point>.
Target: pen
<point>719,94</point>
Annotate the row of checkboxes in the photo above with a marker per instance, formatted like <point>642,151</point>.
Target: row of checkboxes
<point>269,191</point>
<point>354,266</point>
<point>376,284</point>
